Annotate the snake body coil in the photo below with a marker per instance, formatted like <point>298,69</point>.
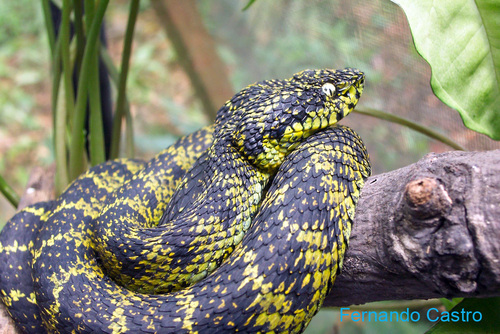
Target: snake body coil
<point>198,239</point>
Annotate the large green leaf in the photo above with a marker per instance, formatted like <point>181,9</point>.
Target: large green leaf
<point>460,39</point>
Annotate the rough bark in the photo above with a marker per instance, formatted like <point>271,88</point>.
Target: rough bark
<point>431,229</point>
<point>196,52</point>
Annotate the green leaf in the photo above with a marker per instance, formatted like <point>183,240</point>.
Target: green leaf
<point>8,192</point>
<point>450,304</point>
<point>460,40</point>
<point>485,319</point>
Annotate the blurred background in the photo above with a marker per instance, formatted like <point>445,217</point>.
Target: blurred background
<point>272,39</point>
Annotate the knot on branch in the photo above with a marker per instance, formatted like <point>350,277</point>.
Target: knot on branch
<point>431,239</point>
<point>426,198</point>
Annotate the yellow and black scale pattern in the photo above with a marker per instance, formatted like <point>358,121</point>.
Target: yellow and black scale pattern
<point>239,227</point>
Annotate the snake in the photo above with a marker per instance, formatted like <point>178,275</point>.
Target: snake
<point>241,226</point>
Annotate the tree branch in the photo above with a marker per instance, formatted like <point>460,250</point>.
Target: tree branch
<point>428,230</point>
<point>431,229</point>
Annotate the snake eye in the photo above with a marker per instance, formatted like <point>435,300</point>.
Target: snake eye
<point>328,89</point>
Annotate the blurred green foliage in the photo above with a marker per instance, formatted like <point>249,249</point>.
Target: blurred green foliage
<point>20,30</point>
<point>273,39</point>
<point>278,38</point>
<point>18,17</point>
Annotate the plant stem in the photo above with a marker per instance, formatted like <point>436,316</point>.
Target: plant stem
<point>56,79</point>
<point>80,35</point>
<point>89,13</point>
<point>62,114</point>
<point>115,78</point>
<point>249,3</point>
<point>410,124</point>
<point>76,163</point>
<point>96,135</point>
<point>64,36</point>
<point>49,26</point>
<point>8,192</point>
<point>113,71</point>
<point>122,84</point>
<point>60,144</point>
<point>59,117</point>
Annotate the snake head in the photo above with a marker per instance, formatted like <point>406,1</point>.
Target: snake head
<point>274,116</point>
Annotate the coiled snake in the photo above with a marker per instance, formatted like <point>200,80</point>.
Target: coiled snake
<point>239,227</point>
